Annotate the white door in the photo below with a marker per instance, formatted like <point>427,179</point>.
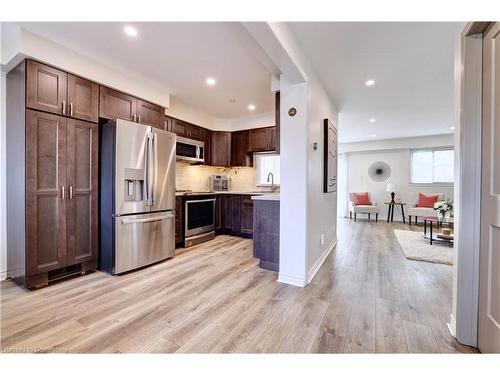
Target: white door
<point>489,288</point>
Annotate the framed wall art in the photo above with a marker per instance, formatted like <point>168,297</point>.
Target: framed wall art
<point>330,157</point>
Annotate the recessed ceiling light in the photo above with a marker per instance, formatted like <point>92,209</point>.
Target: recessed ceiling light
<point>251,107</point>
<point>370,82</point>
<point>130,31</point>
<point>373,135</point>
<point>372,120</point>
<point>210,81</point>
<point>452,128</point>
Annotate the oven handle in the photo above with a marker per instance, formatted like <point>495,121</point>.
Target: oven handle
<point>200,200</point>
<point>147,220</point>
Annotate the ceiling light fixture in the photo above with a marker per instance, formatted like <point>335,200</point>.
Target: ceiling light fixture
<point>130,31</point>
<point>210,81</point>
<point>372,120</point>
<point>370,82</point>
<point>373,135</point>
<point>251,107</point>
<point>452,128</point>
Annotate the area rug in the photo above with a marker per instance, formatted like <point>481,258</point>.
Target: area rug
<point>416,247</point>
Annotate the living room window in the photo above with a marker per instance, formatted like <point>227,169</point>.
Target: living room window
<point>265,163</point>
<point>434,166</point>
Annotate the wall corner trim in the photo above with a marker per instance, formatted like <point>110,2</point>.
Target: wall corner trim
<point>315,268</point>
<point>292,280</point>
<point>452,326</point>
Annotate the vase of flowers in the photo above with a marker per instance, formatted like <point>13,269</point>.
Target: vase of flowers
<point>444,209</point>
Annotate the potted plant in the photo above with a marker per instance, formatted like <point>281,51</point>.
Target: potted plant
<point>444,209</point>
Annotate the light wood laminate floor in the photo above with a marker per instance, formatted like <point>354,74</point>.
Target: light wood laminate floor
<point>367,297</point>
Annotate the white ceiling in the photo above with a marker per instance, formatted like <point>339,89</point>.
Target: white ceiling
<point>177,56</point>
<point>412,64</point>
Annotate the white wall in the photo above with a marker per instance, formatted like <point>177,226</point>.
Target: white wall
<point>3,171</point>
<point>307,213</point>
<point>399,161</point>
<point>322,207</point>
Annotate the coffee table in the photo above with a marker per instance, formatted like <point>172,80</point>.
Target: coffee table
<point>434,236</point>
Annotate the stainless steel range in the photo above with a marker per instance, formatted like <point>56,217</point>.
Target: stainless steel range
<point>199,219</point>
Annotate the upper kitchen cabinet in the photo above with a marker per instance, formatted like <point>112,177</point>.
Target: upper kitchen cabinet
<point>46,88</point>
<point>83,97</point>
<point>220,149</point>
<point>240,150</point>
<point>262,139</point>
<point>115,104</point>
<point>150,114</point>
<point>52,90</point>
<point>277,121</point>
<point>188,130</point>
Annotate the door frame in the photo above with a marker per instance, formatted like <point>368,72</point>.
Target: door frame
<point>464,318</point>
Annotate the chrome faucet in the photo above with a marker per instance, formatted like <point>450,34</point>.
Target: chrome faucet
<point>271,176</point>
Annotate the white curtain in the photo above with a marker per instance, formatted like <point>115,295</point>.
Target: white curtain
<point>343,186</point>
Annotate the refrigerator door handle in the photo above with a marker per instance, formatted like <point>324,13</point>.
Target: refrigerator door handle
<point>155,167</point>
<point>146,170</point>
<point>168,215</point>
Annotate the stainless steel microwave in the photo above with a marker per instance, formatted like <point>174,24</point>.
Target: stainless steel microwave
<point>190,150</point>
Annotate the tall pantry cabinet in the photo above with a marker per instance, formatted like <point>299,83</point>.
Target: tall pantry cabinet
<point>52,171</point>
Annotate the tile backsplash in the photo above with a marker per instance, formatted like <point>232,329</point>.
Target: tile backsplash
<point>197,177</point>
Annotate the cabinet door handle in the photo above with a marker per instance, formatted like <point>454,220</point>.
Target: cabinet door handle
<point>71,109</point>
<point>133,117</point>
<point>70,192</point>
<point>64,107</point>
<point>63,193</point>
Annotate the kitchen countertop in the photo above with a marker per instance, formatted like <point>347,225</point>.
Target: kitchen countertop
<point>255,193</point>
<point>267,197</point>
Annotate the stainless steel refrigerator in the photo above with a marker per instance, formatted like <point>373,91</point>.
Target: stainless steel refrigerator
<point>137,196</point>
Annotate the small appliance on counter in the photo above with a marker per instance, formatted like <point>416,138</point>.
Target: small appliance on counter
<point>220,182</point>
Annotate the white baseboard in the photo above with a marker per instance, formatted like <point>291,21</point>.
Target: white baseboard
<point>319,262</point>
<point>452,326</point>
<point>291,280</point>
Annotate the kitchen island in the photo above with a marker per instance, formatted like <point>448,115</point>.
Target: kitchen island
<point>266,230</point>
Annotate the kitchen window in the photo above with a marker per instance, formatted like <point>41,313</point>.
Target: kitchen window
<point>264,164</point>
<point>432,166</point>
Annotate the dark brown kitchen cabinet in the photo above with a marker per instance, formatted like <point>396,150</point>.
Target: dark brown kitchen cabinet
<point>262,139</point>
<point>150,114</point>
<point>266,233</point>
<point>61,194</point>
<point>240,150</point>
<point>231,214</point>
<point>46,193</point>
<point>115,104</point>
<point>218,213</point>
<point>83,97</point>
<point>188,130</point>
<point>220,149</point>
<point>46,88</point>
<point>234,215</point>
<point>82,144</point>
<point>277,121</point>
<point>246,215</point>
<point>52,90</point>
<point>178,220</point>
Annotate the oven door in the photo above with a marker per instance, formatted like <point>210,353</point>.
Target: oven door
<point>199,217</point>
